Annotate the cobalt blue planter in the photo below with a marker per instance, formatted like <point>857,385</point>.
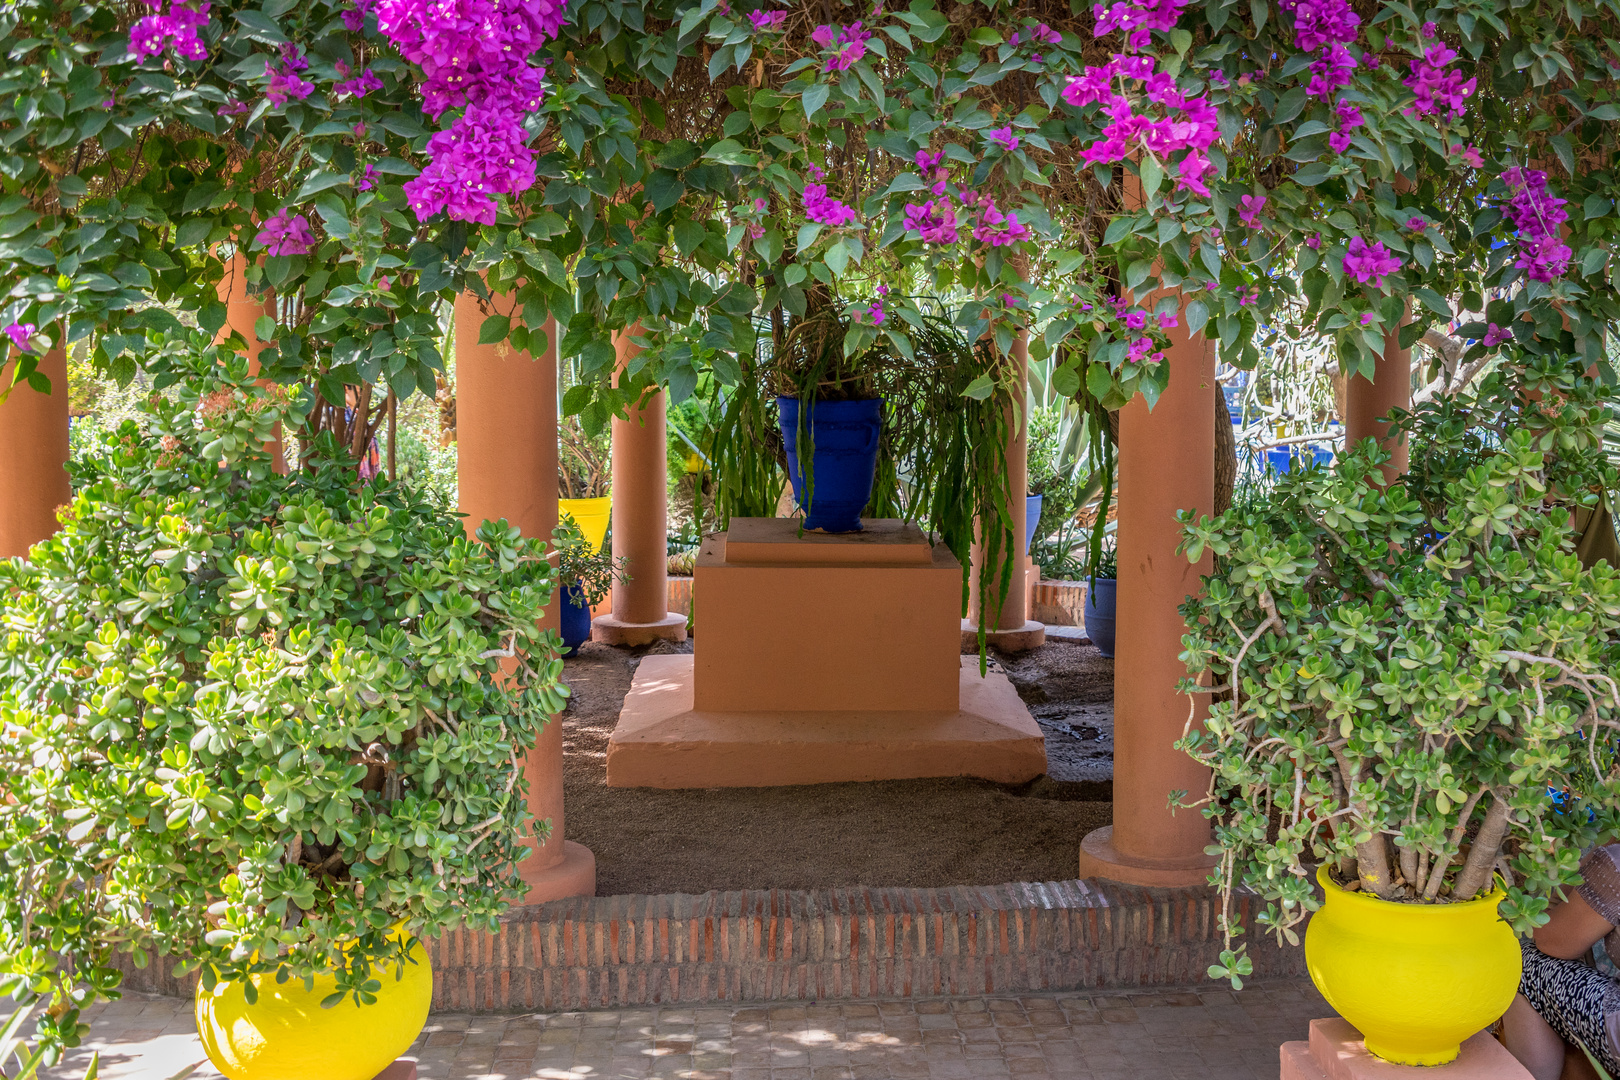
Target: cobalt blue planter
<point>845,437</point>
<point>576,619</point>
<point>1100,599</point>
<point>1032,518</point>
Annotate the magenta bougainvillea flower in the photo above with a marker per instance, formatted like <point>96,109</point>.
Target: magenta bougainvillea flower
<point>1496,335</point>
<point>20,333</point>
<point>848,44</point>
<point>1004,138</point>
<point>935,221</point>
<point>359,86</point>
<point>1438,88</point>
<point>1249,211</point>
<point>1172,124</point>
<point>998,229</point>
<point>286,234</point>
<point>1369,263</point>
<point>1536,215</point>
<point>474,56</point>
<point>175,26</point>
<point>819,206</point>
<point>767,22</point>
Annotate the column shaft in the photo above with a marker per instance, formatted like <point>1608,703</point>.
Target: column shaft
<point>506,467</point>
<point>1366,402</point>
<point>34,447</point>
<point>1166,464</point>
<point>242,310</point>
<point>641,612</point>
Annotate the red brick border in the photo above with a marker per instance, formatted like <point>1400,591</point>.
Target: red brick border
<point>827,944</point>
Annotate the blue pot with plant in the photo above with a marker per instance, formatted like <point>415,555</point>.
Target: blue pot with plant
<point>1032,518</point>
<point>840,438</point>
<point>1100,602</point>
<point>592,570</point>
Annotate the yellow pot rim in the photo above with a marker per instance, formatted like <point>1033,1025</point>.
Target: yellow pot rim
<point>1422,911</point>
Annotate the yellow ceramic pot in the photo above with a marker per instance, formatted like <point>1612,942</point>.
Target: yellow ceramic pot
<point>286,1035</point>
<point>1414,979</point>
<point>591,515</point>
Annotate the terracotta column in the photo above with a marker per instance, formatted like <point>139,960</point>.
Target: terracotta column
<point>1166,464</point>
<point>242,310</point>
<point>34,448</point>
<point>1367,401</point>
<point>641,612</point>
<point>1012,629</point>
<point>506,467</point>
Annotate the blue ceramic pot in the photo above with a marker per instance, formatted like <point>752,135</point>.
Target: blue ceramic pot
<point>1032,518</point>
<point>1100,600</point>
<point>576,619</point>
<point>845,437</point>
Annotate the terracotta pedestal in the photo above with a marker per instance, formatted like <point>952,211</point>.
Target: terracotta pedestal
<point>1166,464</point>
<point>823,658</point>
<point>34,447</point>
<point>506,455</point>
<point>1335,1052</point>
<point>641,612</point>
<point>399,1070</point>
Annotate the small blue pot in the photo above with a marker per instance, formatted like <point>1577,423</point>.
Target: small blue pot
<point>1032,518</point>
<point>1100,600</point>
<point>845,437</point>
<point>576,619</point>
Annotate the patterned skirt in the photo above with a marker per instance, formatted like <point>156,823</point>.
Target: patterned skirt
<point>1575,1000</point>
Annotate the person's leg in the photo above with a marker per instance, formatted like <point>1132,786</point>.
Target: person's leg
<point>1529,1038</point>
<point>1577,1066</point>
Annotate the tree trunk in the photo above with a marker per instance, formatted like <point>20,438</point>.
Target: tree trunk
<point>1476,872</point>
<point>1226,462</point>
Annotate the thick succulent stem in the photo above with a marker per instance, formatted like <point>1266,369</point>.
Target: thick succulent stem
<point>1372,854</point>
<point>1476,871</point>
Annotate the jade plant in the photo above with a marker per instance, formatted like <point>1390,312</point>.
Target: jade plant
<point>251,723</point>
<point>1418,692</point>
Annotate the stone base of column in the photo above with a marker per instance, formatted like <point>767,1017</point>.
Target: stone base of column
<point>574,875</point>
<point>1099,859</point>
<point>1029,636</point>
<point>612,630</point>
<point>1336,1052</point>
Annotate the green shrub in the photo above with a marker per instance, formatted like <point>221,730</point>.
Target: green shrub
<point>250,721</point>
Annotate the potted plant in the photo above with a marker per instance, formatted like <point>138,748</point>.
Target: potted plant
<point>584,479</point>
<point>588,573</point>
<point>1413,699</point>
<point>1101,597</point>
<point>265,729</point>
<point>831,416</point>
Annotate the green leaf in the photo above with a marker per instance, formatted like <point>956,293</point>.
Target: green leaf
<point>261,27</point>
<point>318,183</point>
<point>264,328</point>
<point>495,328</point>
<point>814,98</point>
<point>1152,174</point>
<point>1197,315</point>
<point>1118,229</point>
<point>1137,273</point>
<point>980,388</point>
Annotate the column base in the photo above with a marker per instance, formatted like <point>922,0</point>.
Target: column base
<point>574,875</point>
<point>1099,859</point>
<point>1032,635</point>
<point>612,630</point>
<point>1336,1052</point>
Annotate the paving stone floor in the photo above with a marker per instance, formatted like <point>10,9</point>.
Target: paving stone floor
<point>1205,1032</point>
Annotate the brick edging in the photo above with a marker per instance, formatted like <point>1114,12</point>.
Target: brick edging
<point>827,944</point>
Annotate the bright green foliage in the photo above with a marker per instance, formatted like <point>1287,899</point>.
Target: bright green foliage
<point>253,721</point>
<point>1420,690</point>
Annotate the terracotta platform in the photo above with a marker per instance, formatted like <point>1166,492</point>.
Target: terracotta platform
<point>663,741</point>
<point>1336,1052</point>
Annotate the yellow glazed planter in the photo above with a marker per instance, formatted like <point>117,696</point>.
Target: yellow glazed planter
<point>591,515</point>
<point>1414,979</point>
<point>286,1035</point>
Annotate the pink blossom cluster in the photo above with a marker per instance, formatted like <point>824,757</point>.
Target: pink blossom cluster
<point>354,16</point>
<point>874,313</point>
<point>285,83</point>
<point>286,234</point>
<point>1004,138</point>
<point>819,206</point>
<point>1438,87</point>
<point>1370,263</point>
<point>1037,35</point>
<point>1496,335</point>
<point>359,86</point>
<point>1249,210</point>
<point>996,228</point>
<point>935,221</point>
<point>1537,214</point>
<point>1142,349</point>
<point>20,333</point>
<point>769,22</point>
<point>848,44</point>
<point>1136,21</point>
<point>1180,124</point>
<point>474,55</point>
<point>177,26</point>
<point>1327,28</point>
<point>1350,118</point>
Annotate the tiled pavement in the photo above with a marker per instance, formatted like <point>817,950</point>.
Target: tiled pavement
<point>1205,1032</point>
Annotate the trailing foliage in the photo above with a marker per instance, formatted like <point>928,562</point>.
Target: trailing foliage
<point>249,722</point>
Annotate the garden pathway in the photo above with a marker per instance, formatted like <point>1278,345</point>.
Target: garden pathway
<point>1205,1032</point>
